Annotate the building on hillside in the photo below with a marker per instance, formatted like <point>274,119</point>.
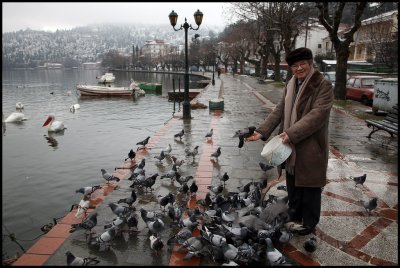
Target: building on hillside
<point>91,65</point>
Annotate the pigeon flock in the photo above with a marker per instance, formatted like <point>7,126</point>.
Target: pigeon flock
<point>236,227</point>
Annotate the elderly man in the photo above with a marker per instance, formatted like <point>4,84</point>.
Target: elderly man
<point>303,116</point>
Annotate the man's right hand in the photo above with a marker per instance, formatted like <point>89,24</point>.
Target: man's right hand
<point>256,136</point>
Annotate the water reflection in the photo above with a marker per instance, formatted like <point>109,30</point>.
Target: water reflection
<point>51,140</point>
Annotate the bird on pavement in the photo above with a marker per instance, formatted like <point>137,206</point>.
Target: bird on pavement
<point>310,245</point>
<point>109,177</point>
<point>209,134</point>
<point>88,190</point>
<point>167,150</point>
<point>105,238</point>
<point>87,224</point>
<point>175,213</point>
<point>149,215</point>
<point>160,157</point>
<point>142,164</point>
<point>131,155</point>
<point>129,200</point>
<point>192,153</point>
<point>156,243</point>
<point>73,260</point>
<point>184,189</point>
<point>181,180</point>
<point>359,180</point>
<point>274,256</point>
<point>265,167</point>
<point>150,181</point>
<point>177,162</point>
<point>155,226</point>
<point>143,143</point>
<point>189,222</point>
<point>181,236</point>
<point>370,205</point>
<point>224,178</point>
<point>216,189</point>
<point>193,188</point>
<point>217,153</point>
<point>179,134</point>
<point>119,210</point>
<point>163,200</point>
<point>171,174</point>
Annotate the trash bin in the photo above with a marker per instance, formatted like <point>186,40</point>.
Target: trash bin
<point>385,94</point>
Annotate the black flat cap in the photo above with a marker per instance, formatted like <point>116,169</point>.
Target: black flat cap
<point>301,53</point>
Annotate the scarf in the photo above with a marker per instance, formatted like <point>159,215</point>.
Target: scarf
<point>290,114</point>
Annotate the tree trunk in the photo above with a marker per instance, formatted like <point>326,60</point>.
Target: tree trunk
<point>341,72</point>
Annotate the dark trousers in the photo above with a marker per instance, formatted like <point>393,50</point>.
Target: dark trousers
<point>304,202</point>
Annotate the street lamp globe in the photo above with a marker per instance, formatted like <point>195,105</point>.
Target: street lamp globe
<point>173,18</point>
<point>198,17</point>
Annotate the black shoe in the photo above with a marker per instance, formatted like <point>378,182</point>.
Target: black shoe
<point>306,230</point>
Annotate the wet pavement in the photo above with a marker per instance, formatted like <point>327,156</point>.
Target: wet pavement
<point>346,234</point>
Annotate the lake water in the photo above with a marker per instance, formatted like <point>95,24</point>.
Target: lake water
<point>40,171</point>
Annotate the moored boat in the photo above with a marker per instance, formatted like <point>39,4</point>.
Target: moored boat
<point>87,90</point>
<point>154,88</point>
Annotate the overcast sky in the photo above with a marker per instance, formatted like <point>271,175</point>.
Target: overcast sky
<point>66,15</point>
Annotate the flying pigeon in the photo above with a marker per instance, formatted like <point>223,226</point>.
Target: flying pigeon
<point>180,134</point>
<point>310,245</point>
<point>73,260</point>
<point>265,167</point>
<point>143,143</point>
<point>167,150</point>
<point>359,179</point>
<point>109,177</point>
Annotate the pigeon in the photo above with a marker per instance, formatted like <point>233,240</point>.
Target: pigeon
<point>245,188</point>
<point>83,206</point>
<point>215,239</point>
<point>143,143</point>
<point>180,134</point>
<point>182,180</point>
<point>87,224</point>
<point>209,134</point>
<point>175,213</point>
<point>106,237</point>
<point>149,215</point>
<point>189,222</point>
<point>160,157</point>
<point>73,260</point>
<point>193,244</point>
<point>155,226</point>
<point>245,133</point>
<point>274,256</point>
<point>217,153</point>
<point>310,245</point>
<point>150,181</point>
<point>192,153</point>
<point>184,189</point>
<point>241,142</point>
<point>230,252</point>
<point>142,164</point>
<point>156,243</point>
<point>359,180</point>
<point>167,151</point>
<point>129,200</point>
<point>170,174</point>
<point>117,222</point>
<point>164,200</point>
<point>265,167</point>
<point>216,189</point>
<point>136,173</point>
<point>109,177</point>
<point>138,181</point>
<point>224,178</point>
<point>177,162</point>
<point>88,190</point>
<point>119,210</point>
<point>285,237</point>
<point>193,188</point>
<point>370,204</point>
<point>131,155</point>
<point>181,236</point>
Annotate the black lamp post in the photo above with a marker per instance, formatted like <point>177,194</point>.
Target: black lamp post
<point>173,18</point>
<point>213,80</point>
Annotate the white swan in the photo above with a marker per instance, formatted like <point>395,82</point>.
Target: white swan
<point>54,126</point>
<point>74,107</point>
<point>19,105</point>
<point>15,117</point>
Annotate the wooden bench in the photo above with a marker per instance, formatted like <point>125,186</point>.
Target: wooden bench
<point>389,123</point>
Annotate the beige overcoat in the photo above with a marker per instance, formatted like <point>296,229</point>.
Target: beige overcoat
<point>309,134</point>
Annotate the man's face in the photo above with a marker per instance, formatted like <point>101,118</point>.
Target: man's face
<point>300,69</point>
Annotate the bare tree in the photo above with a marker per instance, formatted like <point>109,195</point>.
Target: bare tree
<point>330,15</point>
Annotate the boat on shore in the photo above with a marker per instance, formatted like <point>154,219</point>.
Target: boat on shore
<point>106,78</point>
<point>151,88</point>
<point>88,90</point>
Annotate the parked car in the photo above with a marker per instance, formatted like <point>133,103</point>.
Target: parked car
<point>331,76</point>
<point>361,88</point>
